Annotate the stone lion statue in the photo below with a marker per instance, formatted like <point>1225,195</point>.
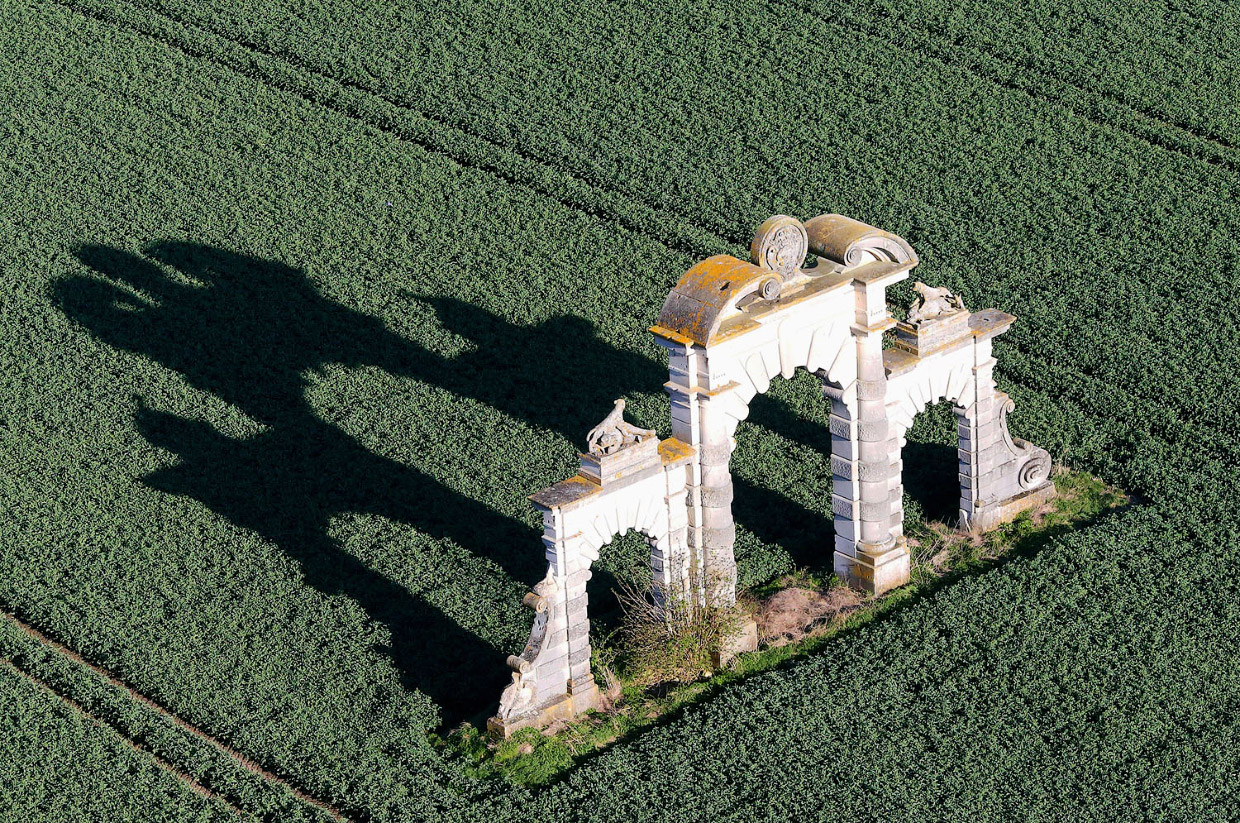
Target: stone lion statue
<point>613,433</point>
<point>933,302</point>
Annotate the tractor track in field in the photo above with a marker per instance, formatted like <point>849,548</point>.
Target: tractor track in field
<point>80,710</point>
<point>943,41</point>
<point>699,239</point>
<point>573,190</point>
<point>236,757</point>
<point>351,100</point>
<point>599,199</point>
<point>934,44</point>
<point>945,48</point>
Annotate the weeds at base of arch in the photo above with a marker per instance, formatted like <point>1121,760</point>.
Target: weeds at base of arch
<point>660,659</point>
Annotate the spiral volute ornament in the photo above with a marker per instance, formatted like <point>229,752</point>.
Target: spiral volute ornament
<point>1036,470</point>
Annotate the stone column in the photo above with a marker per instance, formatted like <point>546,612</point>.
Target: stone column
<point>880,559</point>
<point>577,620</point>
<point>1000,476</point>
<point>686,376</point>
<point>698,419</point>
<point>563,667</point>
<point>711,517</point>
<point>975,424</point>
<point>669,555</point>
<point>844,479</point>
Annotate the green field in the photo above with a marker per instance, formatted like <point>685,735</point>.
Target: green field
<point>299,302</point>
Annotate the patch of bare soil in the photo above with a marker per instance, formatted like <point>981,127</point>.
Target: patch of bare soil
<point>793,614</point>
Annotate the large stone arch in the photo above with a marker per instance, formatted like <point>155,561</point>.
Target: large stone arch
<point>730,327</point>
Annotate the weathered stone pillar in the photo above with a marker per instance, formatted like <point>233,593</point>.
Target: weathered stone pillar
<point>1000,476</point>
<point>845,475</point>
<point>669,555</point>
<point>879,560</point>
<point>714,525</point>
<point>551,678</point>
<point>686,377</point>
<point>976,426</point>
<point>882,560</point>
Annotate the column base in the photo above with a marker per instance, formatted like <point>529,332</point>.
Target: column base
<point>582,696</point>
<point>994,514</point>
<point>744,639</point>
<point>875,573</point>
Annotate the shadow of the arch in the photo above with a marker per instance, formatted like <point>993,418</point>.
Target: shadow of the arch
<point>931,474</point>
<point>249,331</point>
<point>807,535</point>
<point>931,480</point>
<point>623,562</point>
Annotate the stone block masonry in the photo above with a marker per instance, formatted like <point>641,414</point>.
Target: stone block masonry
<point>729,327</point>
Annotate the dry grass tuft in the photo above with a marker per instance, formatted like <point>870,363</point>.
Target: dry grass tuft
<point>791,615</point>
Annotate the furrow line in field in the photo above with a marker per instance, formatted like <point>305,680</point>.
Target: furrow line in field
<point>1017,64</point>
<point>405,123</point>
<point>1196,425</point>
<point>167,715</point>
<point>726,234</point>
<point>82,711</point>
<point>937,44</point>
<point>1007,73</point>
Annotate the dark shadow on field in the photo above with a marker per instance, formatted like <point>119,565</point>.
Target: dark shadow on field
<point>249,330</point>
<point>931,478</point>
<point>807,535</point>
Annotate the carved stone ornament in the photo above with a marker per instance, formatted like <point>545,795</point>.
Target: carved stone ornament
<point>933,302</point>
<point>516,697</point>
<point>614,433</point>
<point>519,694</point>
<point>1037,469</point>
<point>780,245</point>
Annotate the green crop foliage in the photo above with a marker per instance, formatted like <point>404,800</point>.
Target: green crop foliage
<point>298,302</point>
<point>60,765</point>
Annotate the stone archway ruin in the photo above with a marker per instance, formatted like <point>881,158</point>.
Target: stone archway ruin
<point>729,327</point>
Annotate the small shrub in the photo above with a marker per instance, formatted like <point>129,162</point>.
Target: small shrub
<point>669,639</point>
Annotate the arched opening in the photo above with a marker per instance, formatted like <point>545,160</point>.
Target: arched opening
<point>780,468</point>
<point>931,467</point>
<point>624,563</point>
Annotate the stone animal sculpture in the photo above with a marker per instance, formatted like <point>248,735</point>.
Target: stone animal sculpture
<point>933,302</point>
<point>614,433</point>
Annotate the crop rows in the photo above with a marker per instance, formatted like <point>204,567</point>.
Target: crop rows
<point>1098,681</point>
<point>206,766</point>
<point>60,765</point>
<point>1095,228</point>
<point>286,342</point>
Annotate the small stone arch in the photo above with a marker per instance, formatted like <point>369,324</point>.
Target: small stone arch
<point>641,486</point>
<point>952,359</point>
